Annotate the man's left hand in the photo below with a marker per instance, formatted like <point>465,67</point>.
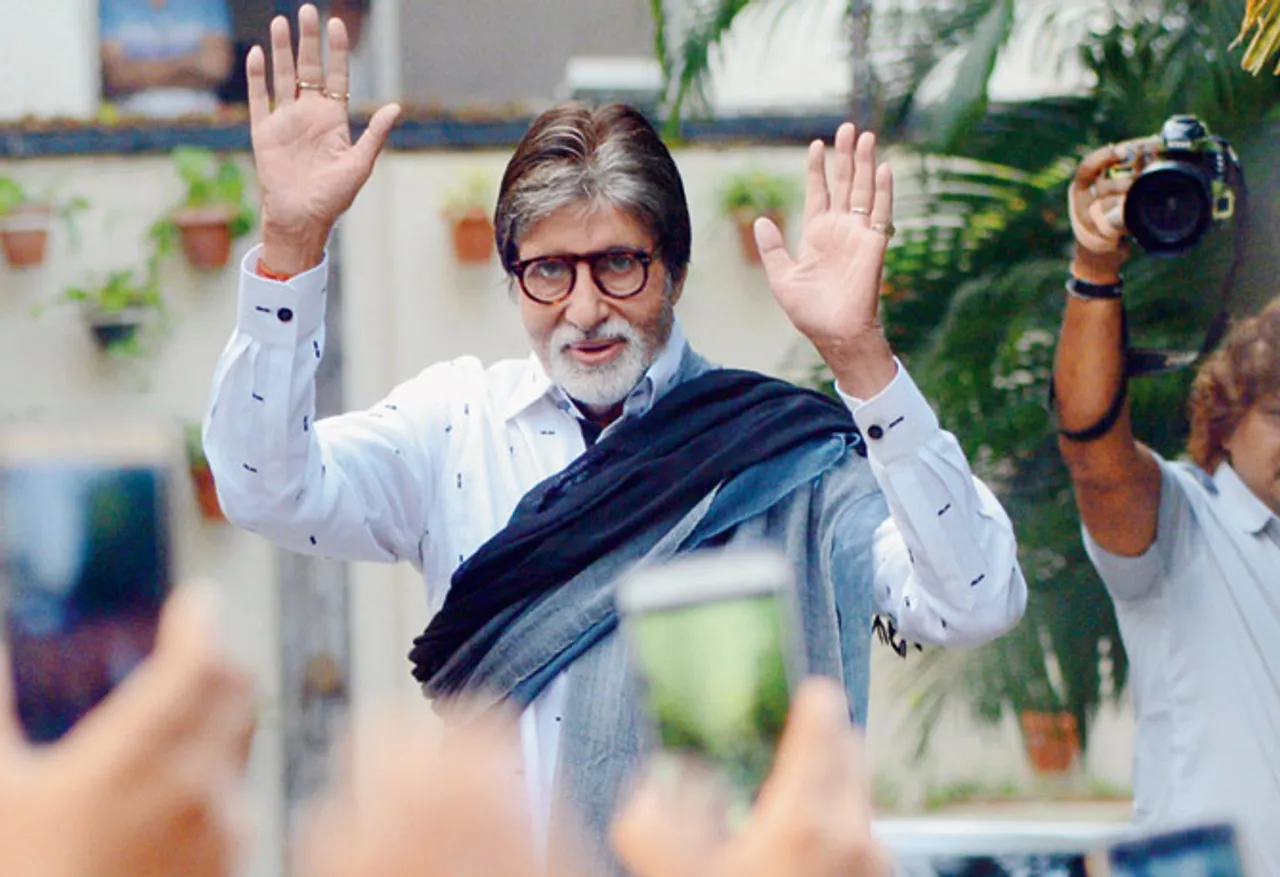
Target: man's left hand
<point>831,288</point>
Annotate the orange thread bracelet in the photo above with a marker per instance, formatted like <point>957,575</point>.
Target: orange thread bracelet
<point>263,270</point>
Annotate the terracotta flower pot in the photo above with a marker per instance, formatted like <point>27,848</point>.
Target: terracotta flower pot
<point>206,236</point>
<point>1052,740</point>
<point>472,237</point>
<point>24,234</point>
<point>206,493</point>
<point>745,220</point>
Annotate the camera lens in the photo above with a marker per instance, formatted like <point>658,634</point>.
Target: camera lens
<point>1168,208</point>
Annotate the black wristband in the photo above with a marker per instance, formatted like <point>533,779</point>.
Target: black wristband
<point>1090,291</point>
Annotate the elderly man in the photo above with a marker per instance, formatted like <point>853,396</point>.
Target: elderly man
<point>1190,551</point>
<point>522,489</point>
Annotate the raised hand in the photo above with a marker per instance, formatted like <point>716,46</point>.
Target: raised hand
<point>830,289</point>
<point>1096,204</point>
<point>309,171</point>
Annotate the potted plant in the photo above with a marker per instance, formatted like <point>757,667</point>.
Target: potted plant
<point>116,308</point>
<point>1017,674</point>
<point>751,194</point>
<point>202,476</point>
<point>211,215</point>
<point>25,221</point>
<point>468,210</point>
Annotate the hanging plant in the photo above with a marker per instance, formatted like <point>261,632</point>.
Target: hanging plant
<point>468,211</point>
<point>754,193</point>
<point>25,222</point>
<point>116,309</point>
<point>211,216</point>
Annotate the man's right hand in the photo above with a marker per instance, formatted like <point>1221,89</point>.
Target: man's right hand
<point>1096,204</point>
<point>309,171</point>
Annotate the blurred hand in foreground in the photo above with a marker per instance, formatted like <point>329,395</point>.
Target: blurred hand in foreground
<point>812,817</point>
<point>149,783</point>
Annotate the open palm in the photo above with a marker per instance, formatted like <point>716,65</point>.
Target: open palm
<point>831,288</point>
<point>308,169</point>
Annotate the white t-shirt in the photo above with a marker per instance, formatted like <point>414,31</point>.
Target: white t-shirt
<point>1200,615</point>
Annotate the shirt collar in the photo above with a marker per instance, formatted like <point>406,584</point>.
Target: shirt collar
<point>658,379</point>
<point>1238,503</point>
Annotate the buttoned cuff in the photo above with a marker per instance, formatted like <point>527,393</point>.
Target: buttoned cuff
<point>896,422</point>
<point>281,311</point>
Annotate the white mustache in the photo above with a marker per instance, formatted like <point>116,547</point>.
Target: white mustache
<point>612,329</point>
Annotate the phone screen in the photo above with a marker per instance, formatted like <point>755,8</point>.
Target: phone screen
<point>712,640</point>
<point>84,569</point>
<point>1202,851</point>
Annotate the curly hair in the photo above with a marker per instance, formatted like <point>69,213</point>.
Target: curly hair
<point>1243,371</point>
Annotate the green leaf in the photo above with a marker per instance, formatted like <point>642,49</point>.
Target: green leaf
<point>11,194</point>
<point>945,125</point>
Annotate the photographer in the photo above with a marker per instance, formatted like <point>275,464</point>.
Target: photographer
<point>1189,551</point>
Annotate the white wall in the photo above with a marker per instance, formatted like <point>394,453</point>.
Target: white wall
<point>48,58</point>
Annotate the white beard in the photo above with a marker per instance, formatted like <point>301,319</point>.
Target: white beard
<point>599,385</point>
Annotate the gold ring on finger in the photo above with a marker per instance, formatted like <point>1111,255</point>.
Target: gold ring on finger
<point>333,95</point>
<point>860,211</point>
<point>303,85</point>
<point>888,229</point>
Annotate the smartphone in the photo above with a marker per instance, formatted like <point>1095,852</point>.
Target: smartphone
<point>85,559</point>
<point>1199,851</point>
<point>714,641</point>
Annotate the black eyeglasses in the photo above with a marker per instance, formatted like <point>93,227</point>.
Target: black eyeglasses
<point>618,273</point>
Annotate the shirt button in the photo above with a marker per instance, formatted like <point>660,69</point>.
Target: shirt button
<point>875,431</point>
<point>285,315</point>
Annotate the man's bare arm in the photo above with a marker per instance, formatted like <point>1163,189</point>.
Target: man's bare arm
<point>1116,480</point>
<point>205,68</point>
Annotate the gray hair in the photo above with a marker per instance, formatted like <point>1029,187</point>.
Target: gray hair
<point>601,156</point>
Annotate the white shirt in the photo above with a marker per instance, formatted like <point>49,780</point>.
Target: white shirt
<point>435,469</point>
<point>1200,615</point>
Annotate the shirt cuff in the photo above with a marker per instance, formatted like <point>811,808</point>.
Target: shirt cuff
<point>896,422</point>
<point>281,311</point>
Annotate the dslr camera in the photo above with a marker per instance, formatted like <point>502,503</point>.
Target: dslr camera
<point>1175,199</point>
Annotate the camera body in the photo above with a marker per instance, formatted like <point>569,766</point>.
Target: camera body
<point>1175,199</point>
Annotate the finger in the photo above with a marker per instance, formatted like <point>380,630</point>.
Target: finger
<point>816,198</point>
<point>283,76</point>
<point>842,170</point>
<point>863,192</point>
<point>882,206</point>
<point>310,64</point>
<point>773,248</point>
<point>666,828</point>
<point>1108,219</point>
<point>1108,186</point>
<point>375,137</point>
<point>10,731</point>
<point>189,622</point>
<point>1096,163</point>
<point>816,724</point>
<point>1086,232</point>
<point>255,71</point>
<point>337,80</point>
